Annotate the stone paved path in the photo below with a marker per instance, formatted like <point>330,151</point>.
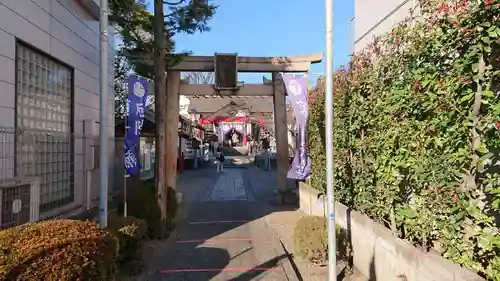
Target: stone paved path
<point>224,236</point>
<point>229,187</point>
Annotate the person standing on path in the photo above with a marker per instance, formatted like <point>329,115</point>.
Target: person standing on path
<point>220,161</point>
<point>235,141</point>
<point>251,146</point>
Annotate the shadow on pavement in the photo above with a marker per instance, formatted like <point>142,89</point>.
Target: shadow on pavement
<point>196,269</point>
<point>250,275</point>
<point>373,273</point>
<point>190,257</point>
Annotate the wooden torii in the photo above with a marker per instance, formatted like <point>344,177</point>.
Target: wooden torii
<point>274,65</point>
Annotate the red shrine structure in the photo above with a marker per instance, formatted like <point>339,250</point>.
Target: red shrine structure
<point>226,116</point>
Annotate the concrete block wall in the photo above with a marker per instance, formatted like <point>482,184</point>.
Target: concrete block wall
<point>380,255</point>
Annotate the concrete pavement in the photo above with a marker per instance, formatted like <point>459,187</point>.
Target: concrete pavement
<point>225,236</point>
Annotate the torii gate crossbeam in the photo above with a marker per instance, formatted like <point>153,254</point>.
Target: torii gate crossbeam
<point>300,63</point>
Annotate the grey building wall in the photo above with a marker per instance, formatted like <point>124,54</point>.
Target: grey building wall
<point>67,30</point>
<point>374,18</point>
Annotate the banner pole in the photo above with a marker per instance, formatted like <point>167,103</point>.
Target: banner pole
<point>125,196</point>
<point>125,170</point>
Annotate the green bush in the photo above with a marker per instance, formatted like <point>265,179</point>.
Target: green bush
<point>143,205</point>
<point>130,232</point>
<point>417,132</point>
<point>63,250</point>
<point>310,237</point>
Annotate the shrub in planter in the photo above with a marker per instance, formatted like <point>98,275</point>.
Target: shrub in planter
<point>143,205</point>
<point>131,232</point>
<point>310,238</point>
<point>63,250</point>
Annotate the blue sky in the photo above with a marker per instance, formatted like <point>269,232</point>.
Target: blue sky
<point>273,28</point>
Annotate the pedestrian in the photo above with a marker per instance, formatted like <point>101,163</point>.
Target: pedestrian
<point>220,161</point>
<point>250,145</point>
<point>235,139</point>
<point>215,146</point>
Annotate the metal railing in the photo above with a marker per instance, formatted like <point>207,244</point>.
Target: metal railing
<point>46,173</point>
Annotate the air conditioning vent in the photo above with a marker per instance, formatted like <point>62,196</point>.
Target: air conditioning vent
<point>226,71</point>
<point>19,202</point>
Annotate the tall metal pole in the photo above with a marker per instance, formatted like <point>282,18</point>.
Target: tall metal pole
<point>103,117</point>
<point>332,249</point>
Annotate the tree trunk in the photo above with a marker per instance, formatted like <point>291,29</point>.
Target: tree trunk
<point>160,113</point>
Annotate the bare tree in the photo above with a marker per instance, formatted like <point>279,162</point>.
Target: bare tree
<point>200,77</point>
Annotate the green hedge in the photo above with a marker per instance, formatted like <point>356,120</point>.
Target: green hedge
<point>417,132</point>
<point>131,233</point>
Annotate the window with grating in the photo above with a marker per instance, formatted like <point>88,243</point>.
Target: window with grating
<point>44,147</point>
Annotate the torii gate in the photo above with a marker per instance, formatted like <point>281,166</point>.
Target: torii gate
<point>276,89</point>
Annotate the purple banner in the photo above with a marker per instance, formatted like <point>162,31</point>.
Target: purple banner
<point>296,87</point>
<point>136,102</point>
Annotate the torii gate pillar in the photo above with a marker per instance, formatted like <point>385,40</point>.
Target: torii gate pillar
<point>172,118</point>
<point>280,133</point>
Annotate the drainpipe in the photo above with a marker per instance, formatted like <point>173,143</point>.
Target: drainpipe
<point>103,116</point>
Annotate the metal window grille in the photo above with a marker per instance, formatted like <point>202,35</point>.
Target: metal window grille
<point>44,143</point>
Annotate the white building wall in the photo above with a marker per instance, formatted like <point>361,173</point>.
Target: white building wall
<point>374,18</point>
<point>65,30</point>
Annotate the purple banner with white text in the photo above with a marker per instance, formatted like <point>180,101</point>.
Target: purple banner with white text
<point>296,87</point>
<point>135,108</point>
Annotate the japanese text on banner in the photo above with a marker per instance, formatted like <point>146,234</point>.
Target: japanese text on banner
<point>135,113</point>
<point>296,87</point>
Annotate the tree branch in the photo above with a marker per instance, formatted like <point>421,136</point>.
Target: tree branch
<point>173,4</point>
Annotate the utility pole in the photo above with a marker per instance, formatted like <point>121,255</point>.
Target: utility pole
<point>160,114</point>
<point>332,249</point>
<point>103,116</point>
